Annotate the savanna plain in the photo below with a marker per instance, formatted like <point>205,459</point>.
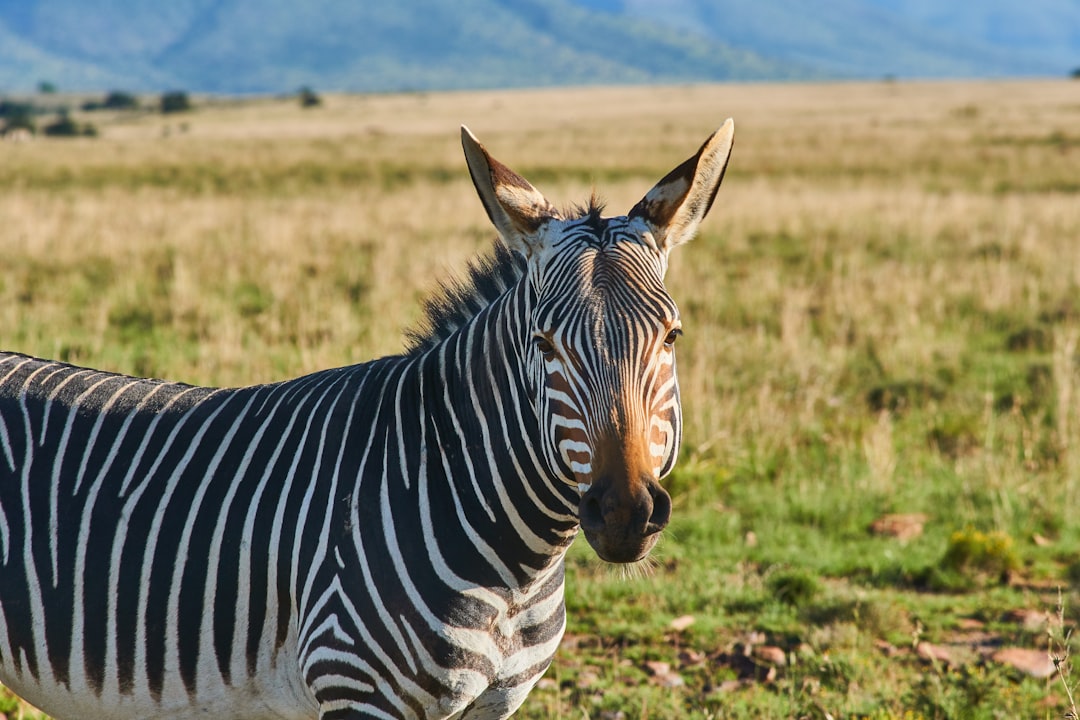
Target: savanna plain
<point>875,509</point>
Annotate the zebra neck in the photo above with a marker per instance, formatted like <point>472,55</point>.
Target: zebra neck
<point>482,441</point>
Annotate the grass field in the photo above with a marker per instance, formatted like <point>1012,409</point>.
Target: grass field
<point>882,318</point>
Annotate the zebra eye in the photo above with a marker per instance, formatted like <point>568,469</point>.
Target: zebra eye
<point>544,346</point>
<point>672,336</point>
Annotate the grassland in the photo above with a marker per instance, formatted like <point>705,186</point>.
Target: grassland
<point>882,317</point>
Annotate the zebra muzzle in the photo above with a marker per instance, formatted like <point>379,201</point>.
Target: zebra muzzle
<point>622,521</point>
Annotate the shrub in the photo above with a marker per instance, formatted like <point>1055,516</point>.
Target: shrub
<point>19,122</point>
<point>11,108</point>
<point>793,587</point>
<point>308,98</point>
<point>175,101</point>
<point>115,100</point>
<point>974,553</point>
<point>64,126</point>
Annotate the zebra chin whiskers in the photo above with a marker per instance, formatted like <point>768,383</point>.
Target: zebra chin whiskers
<point>648,566</point>
<point>642,569</point>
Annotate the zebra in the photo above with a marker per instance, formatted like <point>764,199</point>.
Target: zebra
<point>384,540</point>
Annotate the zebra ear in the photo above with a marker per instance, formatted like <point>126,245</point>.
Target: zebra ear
<point>675,207</point>
<point>516,208</point>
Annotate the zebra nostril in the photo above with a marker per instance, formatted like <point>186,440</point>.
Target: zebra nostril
<point>661,511</point>
<point>590,514</point>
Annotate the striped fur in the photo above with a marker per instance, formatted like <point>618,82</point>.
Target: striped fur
<point>384,540</point>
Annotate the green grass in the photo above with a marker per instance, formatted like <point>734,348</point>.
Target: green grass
<point>816,584</point>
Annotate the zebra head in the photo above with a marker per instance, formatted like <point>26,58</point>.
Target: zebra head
<point>598,342</point>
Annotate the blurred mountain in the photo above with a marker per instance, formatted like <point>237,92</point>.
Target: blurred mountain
<point>876,38</point>
<point>267,46</point>
<point>240,46</point>
<point>1047,31</point>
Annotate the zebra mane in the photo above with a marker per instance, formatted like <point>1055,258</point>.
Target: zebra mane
<point>456,301</point>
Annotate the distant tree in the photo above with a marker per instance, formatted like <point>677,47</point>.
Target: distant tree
<point>17,116</point>
<point>308,98</point>
<point>11,108</point>
<point>46,88</point>
<point>175,101</point>
<point>117,100</point>
<point>19,122</point>
<point>1075,74</point>
<point>64,126</point>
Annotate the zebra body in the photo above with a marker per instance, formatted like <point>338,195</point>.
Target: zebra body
<point>384,540</point>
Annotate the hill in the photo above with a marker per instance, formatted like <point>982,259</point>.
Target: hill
<point>263,46</point>
<point>873,38</point>
<point>271,46</point>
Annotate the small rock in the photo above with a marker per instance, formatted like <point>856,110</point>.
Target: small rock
<point>969,624</point>
<point>673,680</point>
<point>1051,702</point>
<point>933,653</point>
<point>662,675</point>
<point>755,637</point>
<point>750,539</point>
<point>688,658</point>
<point>586,679</point>
<point>902,526</point>
<point>1036,663</point>
<point>1029,620</point>
<point>1041,541</point>
<point>682,622</point>
<point>657,667</point>
<point>771,654</point>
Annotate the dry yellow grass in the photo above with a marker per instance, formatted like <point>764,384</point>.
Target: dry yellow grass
<point>269,195</point>
<point>332,223</point>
